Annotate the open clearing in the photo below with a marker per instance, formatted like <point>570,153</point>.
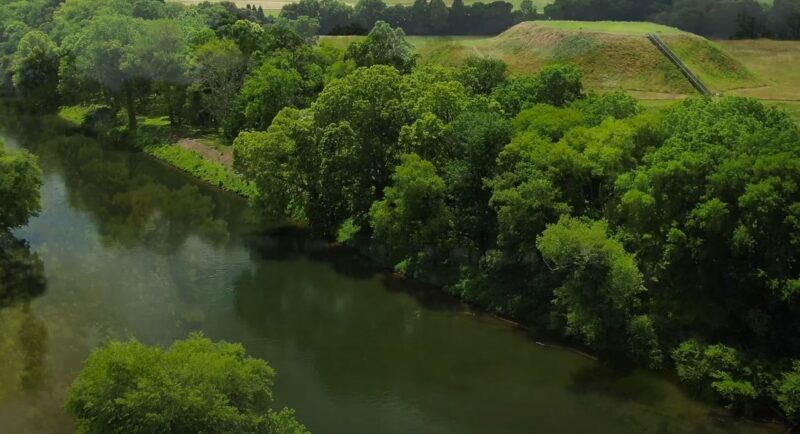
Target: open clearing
<point>776,63</point>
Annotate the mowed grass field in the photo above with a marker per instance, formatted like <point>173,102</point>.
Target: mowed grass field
<point>273,7</point>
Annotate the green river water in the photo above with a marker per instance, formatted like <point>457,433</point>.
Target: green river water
<point>126,247</point>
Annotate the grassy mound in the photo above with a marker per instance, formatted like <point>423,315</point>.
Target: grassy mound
<point>613,55</point>
<point>617,55</point>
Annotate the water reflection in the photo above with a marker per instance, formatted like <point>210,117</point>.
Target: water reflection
<point>128,205</point>
<point>21,271</point>
<point>23,337</point>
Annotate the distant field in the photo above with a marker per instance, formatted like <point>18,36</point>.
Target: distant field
<point>776,63</point>
<point>276,5</point>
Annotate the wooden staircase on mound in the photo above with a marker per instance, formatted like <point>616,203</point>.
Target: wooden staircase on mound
<point>694,79</point>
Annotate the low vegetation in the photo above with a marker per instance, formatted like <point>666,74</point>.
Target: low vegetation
<point>211,172</point>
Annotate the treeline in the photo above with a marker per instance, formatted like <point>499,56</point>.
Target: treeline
<point>424,17</point>
<point>713,18</point>
<point>667,238</point>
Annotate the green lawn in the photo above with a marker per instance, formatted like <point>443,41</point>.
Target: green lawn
<point>621,27</point>
<point>77,114</point>
<point>775,63</point>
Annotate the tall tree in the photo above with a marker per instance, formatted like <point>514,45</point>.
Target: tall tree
<point>384,46</point>
<point>35,70</point>
<point>103,55</point>
<point>20,182</point>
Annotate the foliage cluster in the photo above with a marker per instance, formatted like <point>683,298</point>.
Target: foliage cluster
<point>195,385</point>
<point>20,182</point>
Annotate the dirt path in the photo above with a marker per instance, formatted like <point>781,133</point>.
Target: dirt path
<point>222,155</point>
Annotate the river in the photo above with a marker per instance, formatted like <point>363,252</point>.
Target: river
<point>126,247</point>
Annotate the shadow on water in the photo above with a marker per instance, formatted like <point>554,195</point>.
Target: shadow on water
<point>22,280</point>
<point>290,243</point>
<point>293,242</point>
<point>21,272</point>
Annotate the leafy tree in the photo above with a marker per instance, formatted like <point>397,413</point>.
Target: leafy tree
<point>528,10</point>
<point>267,90</point>
<point>20,182</point>
<point>195,385</point>
<point>412,219</point>
<point>103,55</point>
<point>371,103</point>
<point>722,367</point>
<point>618,105</point>
<point>218,71</point>
<point>524,197</point>
<point>788,393</point>
<point>720,194</point>
<point>549,121</point>
<point>159,55</point>
<point>437,15</point>
<point>600,283</point>
<point>35,69</point>
<point>559,85</point>
<point>367,13</point>
<point>476,137</point>
<point>481,75</point>
<point>556,85</point>
<point>383,46</point>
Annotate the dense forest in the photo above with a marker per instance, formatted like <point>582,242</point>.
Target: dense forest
<point>713,18</point>
<point>666,238</point>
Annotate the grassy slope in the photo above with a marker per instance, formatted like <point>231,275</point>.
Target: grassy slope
<point>776,63</point>
<point>614,55</point>
<point>202,168</point>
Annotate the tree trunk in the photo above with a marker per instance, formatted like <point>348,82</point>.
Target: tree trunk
<point>131,106</point>
<point>169,93</point>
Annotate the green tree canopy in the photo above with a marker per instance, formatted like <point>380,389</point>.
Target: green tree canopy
<point>20,182</point>
<point>195,385</point>
<point>384,46</point>
<point>35,69</point>
<point>601,284</point>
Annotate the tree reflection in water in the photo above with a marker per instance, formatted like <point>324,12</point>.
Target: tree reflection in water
<point>23,337</point>
<point>119,190</point>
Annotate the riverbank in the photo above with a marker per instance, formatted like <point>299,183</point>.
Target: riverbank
<point>202,168</point>
<point>286,304</point>
<point>158,139</point>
